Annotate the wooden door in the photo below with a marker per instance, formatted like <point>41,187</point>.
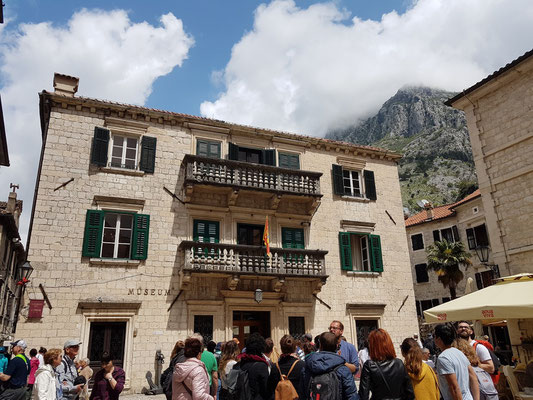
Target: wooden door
<point>247,322</point>
<point>107,338</point>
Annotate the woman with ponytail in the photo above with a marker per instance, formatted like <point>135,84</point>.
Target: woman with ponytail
<point>423,378</point>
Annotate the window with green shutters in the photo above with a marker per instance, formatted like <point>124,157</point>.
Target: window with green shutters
<point>293,238</point>
<point>347,182</point>
<point>207,148</point>
<point>287,160</point>
<point>116,235</point>
<point>125,152</point>
<point>206,232</point>
<point>360,252</point>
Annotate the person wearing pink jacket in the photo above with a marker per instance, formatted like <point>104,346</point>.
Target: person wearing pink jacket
<point>190,380</point>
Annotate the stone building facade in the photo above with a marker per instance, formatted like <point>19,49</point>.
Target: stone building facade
<point>461,221</point>
<point>148,225</point>
<point>499,114</point>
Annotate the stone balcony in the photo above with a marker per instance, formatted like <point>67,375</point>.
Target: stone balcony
<point>237,261</point>
<point>227,183</point>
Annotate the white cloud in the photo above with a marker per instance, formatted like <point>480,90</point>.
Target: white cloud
<point>114,58</point>
<point>313,69</point>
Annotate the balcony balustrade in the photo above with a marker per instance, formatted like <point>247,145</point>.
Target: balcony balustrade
<point>235,259</point>
<point>237,174</point>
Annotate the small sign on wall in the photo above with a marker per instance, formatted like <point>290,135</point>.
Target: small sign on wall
<point>36,308</point>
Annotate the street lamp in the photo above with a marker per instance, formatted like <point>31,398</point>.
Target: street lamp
<point>24,272</point>
<point>482,253</point>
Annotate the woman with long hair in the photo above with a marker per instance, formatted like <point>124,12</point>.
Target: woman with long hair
<point>487,391</point>
<point>423,378</point>
<point>228,358</point>
<point>383,374</point>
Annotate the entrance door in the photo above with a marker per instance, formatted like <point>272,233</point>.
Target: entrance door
<point>363,328</point>
<point>107,338</point>
<point>247,322</point>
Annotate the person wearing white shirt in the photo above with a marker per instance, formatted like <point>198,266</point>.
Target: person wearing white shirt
<point>464,331</point>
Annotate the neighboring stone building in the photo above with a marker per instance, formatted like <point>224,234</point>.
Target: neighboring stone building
<point>499,114</point>
<point>12,256</point>
<point>464,221</point>
<point>148,226</point>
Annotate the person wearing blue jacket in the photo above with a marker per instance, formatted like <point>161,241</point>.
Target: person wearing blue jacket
<point>326,360</point>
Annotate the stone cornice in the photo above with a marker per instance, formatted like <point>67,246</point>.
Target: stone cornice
<point>149,115</point>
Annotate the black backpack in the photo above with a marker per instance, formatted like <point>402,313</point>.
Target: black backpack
<point>235,385</point>
<point>166,377</point>
<point>326,386</point>
<point>495,360</point>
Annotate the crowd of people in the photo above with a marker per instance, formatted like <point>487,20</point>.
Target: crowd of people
<point>450,365</point>
<point>56,374</point>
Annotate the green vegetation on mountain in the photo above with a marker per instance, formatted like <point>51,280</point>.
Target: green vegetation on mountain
<point>437,163</point>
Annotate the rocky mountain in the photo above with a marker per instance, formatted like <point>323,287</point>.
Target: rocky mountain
<point>437,162</point>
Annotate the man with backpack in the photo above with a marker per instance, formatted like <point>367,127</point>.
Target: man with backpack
<point>16,374</point>
<point>326,377</point>
<point>489,362</point>
<point>344,349</point>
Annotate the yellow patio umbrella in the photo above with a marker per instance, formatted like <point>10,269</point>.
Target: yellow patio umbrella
<point>510,297</point>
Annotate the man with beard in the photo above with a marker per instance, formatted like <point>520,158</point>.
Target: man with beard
<point>344,349</point>
<point>464,331</point>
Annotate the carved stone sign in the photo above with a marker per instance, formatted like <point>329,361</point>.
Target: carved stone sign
<point>148,292</point>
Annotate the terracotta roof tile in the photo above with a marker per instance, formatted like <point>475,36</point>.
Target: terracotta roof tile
<point>440,212</point>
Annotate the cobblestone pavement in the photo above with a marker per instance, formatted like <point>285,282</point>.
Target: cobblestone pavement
<point>140,396</point>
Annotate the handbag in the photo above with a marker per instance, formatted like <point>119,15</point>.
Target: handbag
<point>386,384</point>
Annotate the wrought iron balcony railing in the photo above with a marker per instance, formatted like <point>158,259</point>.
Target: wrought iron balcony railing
<point>213,171</point>
<point>244,259</point>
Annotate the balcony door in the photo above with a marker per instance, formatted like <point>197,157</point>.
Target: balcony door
<point>250,234</point>
<point>247,322</point>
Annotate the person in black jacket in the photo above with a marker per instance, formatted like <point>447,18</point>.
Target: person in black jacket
<point>287,360</point>
<point>256,365</point>
<point>384,375</point>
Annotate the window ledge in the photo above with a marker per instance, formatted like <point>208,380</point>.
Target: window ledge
<point>354,198</point>
<point>115,262</point>
<point>123,171</point>
<point>363,273</point>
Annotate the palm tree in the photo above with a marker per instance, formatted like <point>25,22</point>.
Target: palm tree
<point>445,258</point>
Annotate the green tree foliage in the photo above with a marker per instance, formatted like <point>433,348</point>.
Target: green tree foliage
<point>445,258</point>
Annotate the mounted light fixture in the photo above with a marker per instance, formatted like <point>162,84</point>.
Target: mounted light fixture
<point>482,253</point>
<point>258,295</point>
<point>24,271</point>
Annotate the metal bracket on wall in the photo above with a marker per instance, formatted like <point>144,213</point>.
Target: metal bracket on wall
<point>175,299</point>
<point>390,216</point>
<point>173,195</point>
<point>64,184</point>
<point>403,302</point>
<point>322,301</point>
<point>45,296</point>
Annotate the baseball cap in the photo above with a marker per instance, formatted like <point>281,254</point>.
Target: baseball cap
<point>20,343</point>
<point>71,343</point>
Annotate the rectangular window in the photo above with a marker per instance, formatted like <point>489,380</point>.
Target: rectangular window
<point>291,161</point>
<point>250,234</point>
<point>421,273</point>
<point>417,241</point>
<point>124,152</point>
<point>297,327</point>
<point>292,238</point>
<point>484,279</point>
<point>445,300</point>
<point>116,242</point>
<point>114,234</point>
<point>207,148</point>
<point>360,252</point>
<point>203,324</point>
<point>425,305</point>
<point>352,183</point>
<point>447,234</point>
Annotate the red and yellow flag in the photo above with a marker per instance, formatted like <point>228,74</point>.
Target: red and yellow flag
<point>266,239</point>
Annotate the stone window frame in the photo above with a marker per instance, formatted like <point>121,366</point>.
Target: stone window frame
<point>412,244</point>
<point>212,308</point>
<point>111,146</point>
<point>364,312</point>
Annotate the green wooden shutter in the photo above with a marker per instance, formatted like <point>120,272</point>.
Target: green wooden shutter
<point>92,240</point>
<point>455,232</point>
<point>291,161</point>
<point>206,231</point>
<point>205,148</point>
<point>139,246</point>
<point>292,238</point>
<point>345,251</point>
<point>338,183</point>
<point>147,163</point>
<point>100,147</point>
<point>376,258</point>
<point>233,152</point>
<point>202,148</point>
<point>370,185</point>
<point>269,157</point>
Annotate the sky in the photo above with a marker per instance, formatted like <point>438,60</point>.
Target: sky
<point>302,66</point>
